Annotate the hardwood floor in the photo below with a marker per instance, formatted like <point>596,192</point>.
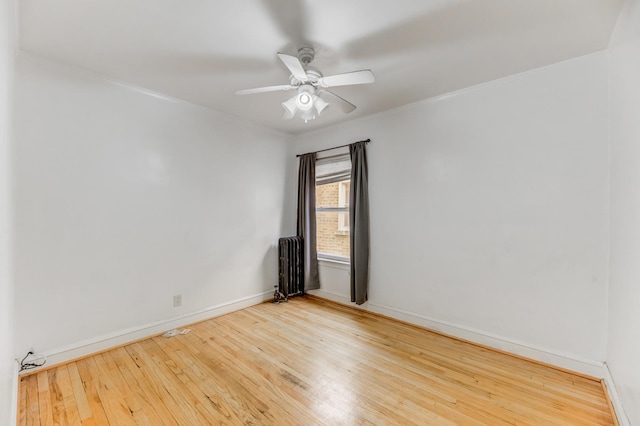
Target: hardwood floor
<point>307,362</point>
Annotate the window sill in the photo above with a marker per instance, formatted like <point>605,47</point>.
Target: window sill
<point>336,264</point>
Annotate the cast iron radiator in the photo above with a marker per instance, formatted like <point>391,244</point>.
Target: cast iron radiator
<point>290,270</point>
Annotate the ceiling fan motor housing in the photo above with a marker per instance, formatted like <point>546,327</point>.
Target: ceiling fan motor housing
<point>312,77</point>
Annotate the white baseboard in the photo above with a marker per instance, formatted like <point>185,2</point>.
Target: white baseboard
<point>547,356</point>
<point>623,420</point>
<point>122,337</point>
<point>333,297</point>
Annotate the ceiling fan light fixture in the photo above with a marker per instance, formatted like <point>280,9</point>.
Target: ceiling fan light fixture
<point>304,99</point>
<point>320,105</point>
<point>290,108</point>
<point>307,115</point>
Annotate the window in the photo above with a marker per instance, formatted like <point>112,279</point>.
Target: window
<point>333,181</point>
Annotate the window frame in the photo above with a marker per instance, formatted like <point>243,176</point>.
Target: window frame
<point>343,203</point>
<point>340,209</point>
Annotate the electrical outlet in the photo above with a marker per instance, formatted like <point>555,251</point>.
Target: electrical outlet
<point>177,300</point>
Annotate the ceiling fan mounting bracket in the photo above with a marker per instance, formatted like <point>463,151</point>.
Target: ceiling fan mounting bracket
<point>306,55</point>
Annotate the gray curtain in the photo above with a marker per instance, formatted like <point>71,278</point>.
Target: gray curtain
<point>359,222</point>
<point>307,219</point>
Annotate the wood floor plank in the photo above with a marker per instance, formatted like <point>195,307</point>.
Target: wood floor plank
<point>115,406</point>
<point>308,362</point>
<point>261,390</point>
<point>212,381</point>
<point>46,410</point>
<point>22,402</point>
<point>166,385</point>
<point>98,414</point>
<point>136,381</point>
<point>198,396</point>
<point>32,412</point>
<point>139,406</point>
<point>69,400</point>
<point>348,350</point>
<point>31,415</point>
<point>79,393</point>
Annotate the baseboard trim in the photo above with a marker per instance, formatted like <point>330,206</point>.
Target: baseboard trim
<point>116,339</point>
<point>585,367</point>
<point>612,393</point>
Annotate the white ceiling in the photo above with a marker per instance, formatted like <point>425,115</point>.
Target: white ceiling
<point>202,51</point>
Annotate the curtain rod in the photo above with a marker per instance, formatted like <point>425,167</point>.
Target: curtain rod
<point>335,147</point>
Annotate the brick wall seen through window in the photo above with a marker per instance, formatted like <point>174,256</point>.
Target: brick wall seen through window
<point>333,227</point>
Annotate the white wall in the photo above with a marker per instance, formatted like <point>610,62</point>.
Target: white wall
<point>489,208</point>
<point>624,294</point>
<point>7,365</point>
<point>124,199</point>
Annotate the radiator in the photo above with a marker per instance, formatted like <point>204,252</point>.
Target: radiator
<point>290,270</point>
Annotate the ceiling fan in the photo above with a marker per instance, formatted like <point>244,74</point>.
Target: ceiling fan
<point>312,95</point>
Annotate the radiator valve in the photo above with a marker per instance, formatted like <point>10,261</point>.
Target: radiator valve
<point>278,296</point>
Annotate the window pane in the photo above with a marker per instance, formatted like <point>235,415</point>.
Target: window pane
<point>332,240</point>
<point>332,228</point>
<point>333,194</point>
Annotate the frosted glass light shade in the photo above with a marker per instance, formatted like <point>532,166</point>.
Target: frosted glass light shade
<point>290,108</point>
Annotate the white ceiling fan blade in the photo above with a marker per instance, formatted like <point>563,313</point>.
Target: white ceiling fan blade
<point>348,78</point>
<point>265,89</point>
<point>331,97</point>
<point>294,65</point>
